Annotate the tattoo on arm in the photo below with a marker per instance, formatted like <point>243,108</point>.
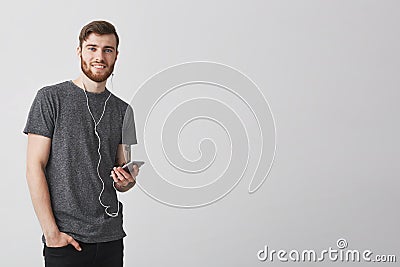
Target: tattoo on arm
<point>127,153</point>
<point>123,155</point>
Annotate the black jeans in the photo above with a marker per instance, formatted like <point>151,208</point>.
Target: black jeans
<point>107,254</point>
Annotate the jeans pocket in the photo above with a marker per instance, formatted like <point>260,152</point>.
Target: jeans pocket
<point>57,251</point>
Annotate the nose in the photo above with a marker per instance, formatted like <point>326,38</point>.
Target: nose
<point>99,55</point>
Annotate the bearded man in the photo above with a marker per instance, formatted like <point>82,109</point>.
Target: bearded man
<point>74,157</point>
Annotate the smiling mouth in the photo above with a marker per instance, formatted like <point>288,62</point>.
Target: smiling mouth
<point>99,67</point>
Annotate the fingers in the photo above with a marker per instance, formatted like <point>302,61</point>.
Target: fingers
<point>74,244</point>
<point>124,178</point>
<point>119,177</point>
<point>123,175</point>
<point>63,239</point>
<point>114,176</point>
<point>119,174</point>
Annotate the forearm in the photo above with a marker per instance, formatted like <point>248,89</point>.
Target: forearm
<point>40,196</point>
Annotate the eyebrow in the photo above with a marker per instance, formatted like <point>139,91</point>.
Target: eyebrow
<point>107,46</point>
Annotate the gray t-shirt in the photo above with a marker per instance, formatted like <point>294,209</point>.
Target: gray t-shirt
<point>60,112</point>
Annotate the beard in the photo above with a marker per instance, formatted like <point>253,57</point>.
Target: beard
<point>96,77</point>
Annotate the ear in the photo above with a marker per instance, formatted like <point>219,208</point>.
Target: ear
<point>78,51</point>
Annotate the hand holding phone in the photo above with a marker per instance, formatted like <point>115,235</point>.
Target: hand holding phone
<point>129,166</point>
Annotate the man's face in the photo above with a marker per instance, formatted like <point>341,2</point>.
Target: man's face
<point>98,55</point>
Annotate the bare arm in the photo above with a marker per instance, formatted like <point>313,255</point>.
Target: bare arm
<point>123,154</point>
<point>37,156</point>
<point>124,180</point>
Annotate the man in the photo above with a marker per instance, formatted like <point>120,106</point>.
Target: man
<point>78,131</point>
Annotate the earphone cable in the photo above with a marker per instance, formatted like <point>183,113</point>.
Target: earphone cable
<point>106,207</point>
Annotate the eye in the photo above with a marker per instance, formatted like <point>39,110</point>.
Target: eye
<point>91,48</point>
<point>108,50</point>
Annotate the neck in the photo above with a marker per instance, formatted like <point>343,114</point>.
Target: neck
<point>91,86</point>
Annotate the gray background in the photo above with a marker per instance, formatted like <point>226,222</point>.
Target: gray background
<point>329,70</point>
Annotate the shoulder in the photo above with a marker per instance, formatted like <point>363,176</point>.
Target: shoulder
<point>54,89</point>
<point>118,100</point>
<point>119,103</point>
<point>124,109</point>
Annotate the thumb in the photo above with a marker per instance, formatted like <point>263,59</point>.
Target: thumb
<point>75,244</point>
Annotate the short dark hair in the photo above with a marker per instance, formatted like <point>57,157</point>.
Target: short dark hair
<point>98,27</point>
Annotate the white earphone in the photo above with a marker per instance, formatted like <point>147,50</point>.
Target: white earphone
<point>114,214</point>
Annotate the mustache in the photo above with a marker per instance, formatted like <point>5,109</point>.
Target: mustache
<point>99,62</point>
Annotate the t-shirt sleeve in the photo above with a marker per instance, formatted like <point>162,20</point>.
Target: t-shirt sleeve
<point>41,116</point>
<point>128,128</point>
